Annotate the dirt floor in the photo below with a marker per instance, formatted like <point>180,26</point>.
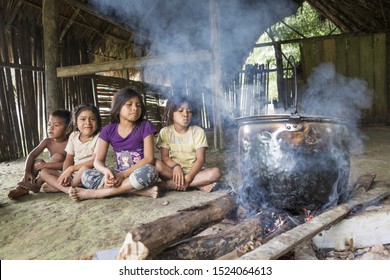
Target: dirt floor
<point>51,226</point>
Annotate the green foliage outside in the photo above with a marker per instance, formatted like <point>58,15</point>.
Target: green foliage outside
<point>306,23</point>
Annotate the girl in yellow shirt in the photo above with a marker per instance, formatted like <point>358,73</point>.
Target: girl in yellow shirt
<point>183,150</point>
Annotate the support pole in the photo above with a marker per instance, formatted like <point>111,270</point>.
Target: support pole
<point>215,78</point>
<point>54,96</point>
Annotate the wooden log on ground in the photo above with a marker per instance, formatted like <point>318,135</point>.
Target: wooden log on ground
<point>213,246</point>
<point>147,240</point>
<point>286,242</point>
<point>238,252</point>
<point>365,181</point>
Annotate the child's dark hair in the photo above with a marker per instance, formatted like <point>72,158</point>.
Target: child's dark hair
<point>66,116</point>
<point>120,99</point>
<point>83,107</point>
<point>173,104</point>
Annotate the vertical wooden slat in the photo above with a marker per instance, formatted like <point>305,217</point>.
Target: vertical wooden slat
<point>353,53</point>
<point>308,48</point>
<point>366,67</point>
<point>380,77</point>
<point>341,56</point>
<point>216,73</point>
<point>329,47</point>
<point>318,53</point>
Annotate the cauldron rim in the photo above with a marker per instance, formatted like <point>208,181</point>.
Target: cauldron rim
<point>285,118</point>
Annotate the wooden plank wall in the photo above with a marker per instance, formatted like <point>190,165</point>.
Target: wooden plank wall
<point>364,57</point>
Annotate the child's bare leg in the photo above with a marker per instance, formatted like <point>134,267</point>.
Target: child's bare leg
<point>206,188</point>
<point>48,189</point>
<point>50,177</point>
<point>57,157</point>
<point>79,194</point>
<point>76,181</point>
<point>167,185</point>
<point>165,173</point>
<point>153,192</point>
<point>206,179</point>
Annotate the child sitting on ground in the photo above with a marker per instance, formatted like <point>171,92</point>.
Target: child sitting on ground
<point>132,139</point>
<point>183,150</point>
<point>55,143</point>
<point>81,149</point>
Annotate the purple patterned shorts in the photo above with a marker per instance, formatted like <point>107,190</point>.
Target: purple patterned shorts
<point>143,177</point>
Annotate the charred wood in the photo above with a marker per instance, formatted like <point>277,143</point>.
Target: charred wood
<point>240,251</point>
<point>147,240</point>
<point>286,242</point>
<point>216,245</point>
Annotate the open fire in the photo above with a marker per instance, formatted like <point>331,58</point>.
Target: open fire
<point>214,231</point>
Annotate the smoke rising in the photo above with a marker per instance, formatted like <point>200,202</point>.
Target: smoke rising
<point>333,95</point>
<point>179,26</point>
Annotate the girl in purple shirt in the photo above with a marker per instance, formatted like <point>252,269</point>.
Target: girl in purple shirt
<point>132,139</point>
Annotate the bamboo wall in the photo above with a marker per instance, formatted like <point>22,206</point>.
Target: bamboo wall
<point>364,56</point>
<point>22,86</point>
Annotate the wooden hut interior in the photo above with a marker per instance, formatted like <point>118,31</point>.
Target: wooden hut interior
<point>58,54</point>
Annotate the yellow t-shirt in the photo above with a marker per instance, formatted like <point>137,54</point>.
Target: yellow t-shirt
<point>182,147</point>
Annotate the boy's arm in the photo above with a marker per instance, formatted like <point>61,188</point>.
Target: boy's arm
<point>54,165</point>
<point>29,165</point>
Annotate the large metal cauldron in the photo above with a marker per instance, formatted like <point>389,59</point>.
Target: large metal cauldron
<point>295,162</point>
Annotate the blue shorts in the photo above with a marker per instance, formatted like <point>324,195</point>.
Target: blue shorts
<point>143,177</point>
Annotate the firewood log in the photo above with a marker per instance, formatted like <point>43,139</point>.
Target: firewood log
<point>147,240</point>
<point>215,245</point>
<point>238,252</point>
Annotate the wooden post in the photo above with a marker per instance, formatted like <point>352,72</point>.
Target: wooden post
<point>54,96</point>
<point>215,78</point>
<point>279,72</point>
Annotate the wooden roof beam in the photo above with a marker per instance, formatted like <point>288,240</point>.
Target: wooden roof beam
<point>324,10</point>
<point>69,24</point>
<point>92,68</point>
<point>12,17</point>
<point>89,10</point>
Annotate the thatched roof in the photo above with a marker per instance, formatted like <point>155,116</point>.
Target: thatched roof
<point>142,27</point>
<point>368,16</point>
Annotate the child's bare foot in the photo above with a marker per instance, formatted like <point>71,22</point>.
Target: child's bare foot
<point>207,188</point>
<point>153,192</point>
<point>73,194</point>
<point>48,189</point>
<point>80,194</point>
<point>17,192</point>
<point>30,186</point>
